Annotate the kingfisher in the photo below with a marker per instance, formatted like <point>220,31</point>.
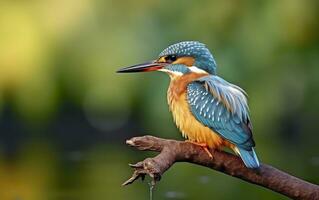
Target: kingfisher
<point>208,110</point>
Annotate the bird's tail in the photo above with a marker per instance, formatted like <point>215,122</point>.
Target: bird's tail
<point>249,157</point>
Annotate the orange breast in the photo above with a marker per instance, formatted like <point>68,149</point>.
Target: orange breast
<point>190,127</point>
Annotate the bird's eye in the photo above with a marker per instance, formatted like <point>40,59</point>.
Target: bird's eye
<point>170,58</point>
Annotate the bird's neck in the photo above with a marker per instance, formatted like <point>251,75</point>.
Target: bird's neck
<point>178,86</point>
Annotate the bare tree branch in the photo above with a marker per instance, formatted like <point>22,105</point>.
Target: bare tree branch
<point>172,151</point>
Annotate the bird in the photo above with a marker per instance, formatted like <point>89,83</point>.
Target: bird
<point>208,110</point>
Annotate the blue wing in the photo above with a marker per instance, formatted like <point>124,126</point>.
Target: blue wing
<point>222,107</point>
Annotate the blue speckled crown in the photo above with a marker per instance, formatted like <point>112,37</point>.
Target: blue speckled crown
<point>203,57</point>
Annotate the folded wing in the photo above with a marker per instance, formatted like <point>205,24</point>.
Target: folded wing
<point>222,107</point>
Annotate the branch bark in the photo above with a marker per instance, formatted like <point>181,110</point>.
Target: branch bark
<point>172,151</point>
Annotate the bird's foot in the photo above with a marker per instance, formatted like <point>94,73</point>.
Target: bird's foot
<point>203,145</point>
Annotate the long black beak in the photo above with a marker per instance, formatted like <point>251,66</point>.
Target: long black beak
<point>145,67</point>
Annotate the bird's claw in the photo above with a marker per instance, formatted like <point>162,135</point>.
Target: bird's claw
<point>204,146</point>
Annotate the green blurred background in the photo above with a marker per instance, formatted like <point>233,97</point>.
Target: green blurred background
<point>65,113</point>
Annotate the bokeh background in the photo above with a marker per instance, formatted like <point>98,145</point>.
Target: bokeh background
<point>65,113</point>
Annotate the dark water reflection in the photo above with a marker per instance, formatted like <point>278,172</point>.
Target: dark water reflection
<point>40,171</point>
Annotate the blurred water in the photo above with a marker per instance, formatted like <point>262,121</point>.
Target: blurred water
<point>175,195</point>
<point>204,179</point>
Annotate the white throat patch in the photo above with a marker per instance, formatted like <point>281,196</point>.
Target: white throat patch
<point>197,70</point>
<point>174,73</point>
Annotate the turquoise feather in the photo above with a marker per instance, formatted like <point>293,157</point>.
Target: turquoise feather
<point>233,125</point>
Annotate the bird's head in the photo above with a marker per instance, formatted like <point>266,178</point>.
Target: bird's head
<point>179,59</point>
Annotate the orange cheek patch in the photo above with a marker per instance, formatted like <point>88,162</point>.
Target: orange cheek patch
<point>187,60</point>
